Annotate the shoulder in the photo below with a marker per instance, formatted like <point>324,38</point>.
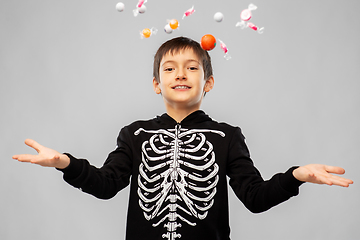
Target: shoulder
<point>127,132</point>
<point>151,123</point>
<point>225,125</point>
<point>234,132</point>
<point>141,123</point>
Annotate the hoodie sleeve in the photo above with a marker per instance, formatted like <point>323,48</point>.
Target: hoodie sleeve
<point>107,181</point>
<point>254,192</point>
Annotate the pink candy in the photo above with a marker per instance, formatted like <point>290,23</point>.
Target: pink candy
<point>225,50</point>
<point>189,12</point>
<point>245,16</point>
<point>252,26</point>
<point>140,3</point>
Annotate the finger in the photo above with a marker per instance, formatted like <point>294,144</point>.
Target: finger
<point>330,179</point>
<point>333,169</point>
<point>25,157</point>
<point>340,181</point>
<point>320,179</point>
<point>33,144</point>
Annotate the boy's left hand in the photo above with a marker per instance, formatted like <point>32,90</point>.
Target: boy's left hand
<point>321,174</point>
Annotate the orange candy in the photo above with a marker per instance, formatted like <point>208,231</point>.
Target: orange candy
<point>174,24</point>
<point>146,33</point>
<point>208,42</point>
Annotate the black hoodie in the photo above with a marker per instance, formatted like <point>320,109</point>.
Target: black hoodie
<point>178,177</point>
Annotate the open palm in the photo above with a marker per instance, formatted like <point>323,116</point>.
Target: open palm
<point>46,157</point>
<point>321,174</point>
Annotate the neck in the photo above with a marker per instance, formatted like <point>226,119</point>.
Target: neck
<point>179,114</point>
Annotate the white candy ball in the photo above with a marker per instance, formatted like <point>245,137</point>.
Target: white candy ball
<point>142,9</point>
<point>120,7</point>
<point>168,29</point>
<point>218,17</point>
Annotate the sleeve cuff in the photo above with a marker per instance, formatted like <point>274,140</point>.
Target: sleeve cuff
<point>289,182</point>
<point>73,169</point>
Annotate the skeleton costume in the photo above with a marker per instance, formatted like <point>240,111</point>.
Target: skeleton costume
<point>179,177</point>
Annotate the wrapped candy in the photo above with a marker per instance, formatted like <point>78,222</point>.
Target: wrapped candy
<point>254,27</point>
<point>245,16</point>
<point>146,32</point>
<point>140,3</point>
<point>140,7</point>
<point>173,23</point>
<point>168,29</point>
<point>225,50</point>
<point>189,12</point>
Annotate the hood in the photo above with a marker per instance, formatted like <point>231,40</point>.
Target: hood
<point>198,116</point>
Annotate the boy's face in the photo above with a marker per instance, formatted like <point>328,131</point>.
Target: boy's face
<point>182,82</point>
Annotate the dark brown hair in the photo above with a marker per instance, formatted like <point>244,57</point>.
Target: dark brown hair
<point>178,44</point>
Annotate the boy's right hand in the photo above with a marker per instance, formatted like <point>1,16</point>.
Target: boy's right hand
<point>47,157</point>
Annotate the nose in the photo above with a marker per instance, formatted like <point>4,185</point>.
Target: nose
<point>180,75</point>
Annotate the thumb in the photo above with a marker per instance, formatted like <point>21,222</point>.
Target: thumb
<point>333,169</point>
<point>33,144</point>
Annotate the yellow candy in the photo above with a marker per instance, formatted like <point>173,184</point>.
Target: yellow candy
<point>174,24</point>
<point>146,32</point>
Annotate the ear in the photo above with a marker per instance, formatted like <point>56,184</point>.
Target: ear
<point>209,84</point>
<point>156,86</point>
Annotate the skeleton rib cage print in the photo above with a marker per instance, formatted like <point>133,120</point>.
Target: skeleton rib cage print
<point>177,177</point>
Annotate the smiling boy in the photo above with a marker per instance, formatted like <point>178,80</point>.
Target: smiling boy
<point>179,162</point>
<point>182,76</point>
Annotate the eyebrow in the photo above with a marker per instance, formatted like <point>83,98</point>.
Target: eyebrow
<point>189,60</point>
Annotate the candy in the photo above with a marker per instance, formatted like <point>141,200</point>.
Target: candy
<point>120,6</point>
<point>140,3</point>
<point>174,24</point>
<point>225,50</point>
<point>208,42</point>
<point>218,16</point>
<point>254,27</point>
<point>140,7</point>
<point>146,32</point>
<point>250,25</point>
<point>168,29</point>
<point>245,16</point>
<point>189,12</point>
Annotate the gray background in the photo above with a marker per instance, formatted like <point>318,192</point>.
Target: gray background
<point>74,72</point>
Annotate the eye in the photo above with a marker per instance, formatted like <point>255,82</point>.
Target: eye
<point>168,69</point>
<point>193,68</point>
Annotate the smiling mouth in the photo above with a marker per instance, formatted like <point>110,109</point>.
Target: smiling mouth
<point>181,87</point>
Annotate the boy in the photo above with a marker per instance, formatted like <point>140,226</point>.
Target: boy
<point>179,161</point>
